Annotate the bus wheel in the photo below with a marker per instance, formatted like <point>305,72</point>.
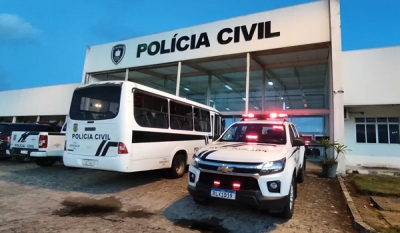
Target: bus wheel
<point>178,166</point>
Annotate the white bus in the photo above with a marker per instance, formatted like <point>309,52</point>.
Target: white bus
<point>127,127</point>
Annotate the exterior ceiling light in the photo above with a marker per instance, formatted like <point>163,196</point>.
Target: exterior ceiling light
<point>270,83</point>
<point>186,89</point>
<point>244,99</point>
<point>227,109</point>
<point>228,87</point>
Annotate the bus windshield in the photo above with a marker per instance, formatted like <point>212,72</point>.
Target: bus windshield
<point>96,103</point>
<point>258,133</point>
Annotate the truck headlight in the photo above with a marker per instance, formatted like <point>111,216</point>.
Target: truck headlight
<point>273,167</point>
<point>195,161</point>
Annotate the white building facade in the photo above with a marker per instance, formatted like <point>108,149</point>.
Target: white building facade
<point>285,60</point>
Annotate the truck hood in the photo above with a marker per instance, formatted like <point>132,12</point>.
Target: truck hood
<point>242,152</point>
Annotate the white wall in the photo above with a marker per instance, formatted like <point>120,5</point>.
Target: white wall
<point>41,101</point>
<point>298,25</point>
<point>368,154</point>
<point>371,76</point>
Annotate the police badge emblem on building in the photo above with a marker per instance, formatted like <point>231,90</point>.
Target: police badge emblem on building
<point>117,53</point>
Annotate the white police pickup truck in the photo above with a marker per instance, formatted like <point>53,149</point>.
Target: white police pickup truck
<point>257,161</point>
<point>46,147</point>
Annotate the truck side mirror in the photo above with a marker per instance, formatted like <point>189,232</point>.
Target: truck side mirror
<point>298,142</point>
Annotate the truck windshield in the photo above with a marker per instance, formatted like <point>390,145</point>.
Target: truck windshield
<point>98,102</point>
<point>258,133</point>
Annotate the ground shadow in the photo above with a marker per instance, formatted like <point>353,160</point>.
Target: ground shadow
<point>106,207</point>
<point>219,217</point>
<point>58,177</point>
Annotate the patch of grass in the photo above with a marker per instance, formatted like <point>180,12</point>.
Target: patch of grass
<point>380,216</point>
<point>377,185</point>
<point>391,229</point>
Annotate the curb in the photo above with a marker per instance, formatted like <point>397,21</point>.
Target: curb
<point>357,221</point>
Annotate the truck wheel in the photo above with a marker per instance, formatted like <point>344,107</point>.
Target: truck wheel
<point>287,212</point>
<point>23,159</point>
<point>45,162</point>
<point>178,166</point>
<point>200,201</point>
<point>300,176</point>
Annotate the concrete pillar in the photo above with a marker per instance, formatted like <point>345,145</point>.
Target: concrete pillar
<point>247,82</point>
<point>178,78</point>
<point>165,83</point>
<point>126,74</point>
<point>209,90</point>
<point>337,105</point>
<point>14,119</point>
<point>263,90</point>
<point>37,118</point>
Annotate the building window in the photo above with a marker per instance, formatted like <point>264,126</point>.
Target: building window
<point>377,130</point>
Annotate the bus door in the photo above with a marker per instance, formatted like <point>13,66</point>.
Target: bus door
<point>217,126</point>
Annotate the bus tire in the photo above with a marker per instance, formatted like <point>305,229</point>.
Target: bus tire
<point>45,162</point>
<point>178,166</point>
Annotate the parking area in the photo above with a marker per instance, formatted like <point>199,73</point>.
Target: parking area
<point>57,199</point>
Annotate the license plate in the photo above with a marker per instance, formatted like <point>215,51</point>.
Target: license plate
<point>89,162</point>
<point>225,194</point>
<point>24,152</point>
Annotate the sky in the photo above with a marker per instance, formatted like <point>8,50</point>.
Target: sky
<point>43,42</point>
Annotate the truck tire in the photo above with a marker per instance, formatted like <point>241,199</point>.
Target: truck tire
<point>23,159</point>
<point>300,176</point>
<point>45,162</point>
<point>288,210</point>
<point>200,201</point>
<point>178,167</point>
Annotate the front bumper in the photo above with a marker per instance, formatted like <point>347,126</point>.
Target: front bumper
<point>247,197</point>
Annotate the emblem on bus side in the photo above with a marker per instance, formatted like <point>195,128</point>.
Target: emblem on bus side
<point>75,128</point>
<point>117,53</point>
<point>225,169</point>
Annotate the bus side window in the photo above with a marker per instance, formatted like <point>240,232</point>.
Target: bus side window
<point>181,116</point>
<point>202,120</point>
<point>150,110</point>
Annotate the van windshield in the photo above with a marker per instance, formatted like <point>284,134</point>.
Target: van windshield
<point>98,102</point>
<point>257,133</point>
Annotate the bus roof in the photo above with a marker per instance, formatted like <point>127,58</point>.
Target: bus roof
<point>151,90</point>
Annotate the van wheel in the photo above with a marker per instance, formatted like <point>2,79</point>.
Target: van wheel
<point>23,159</point>
<point>45,162</point>
<point>300,176</point>
<point>178,166</point>
<point>287,212</point>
